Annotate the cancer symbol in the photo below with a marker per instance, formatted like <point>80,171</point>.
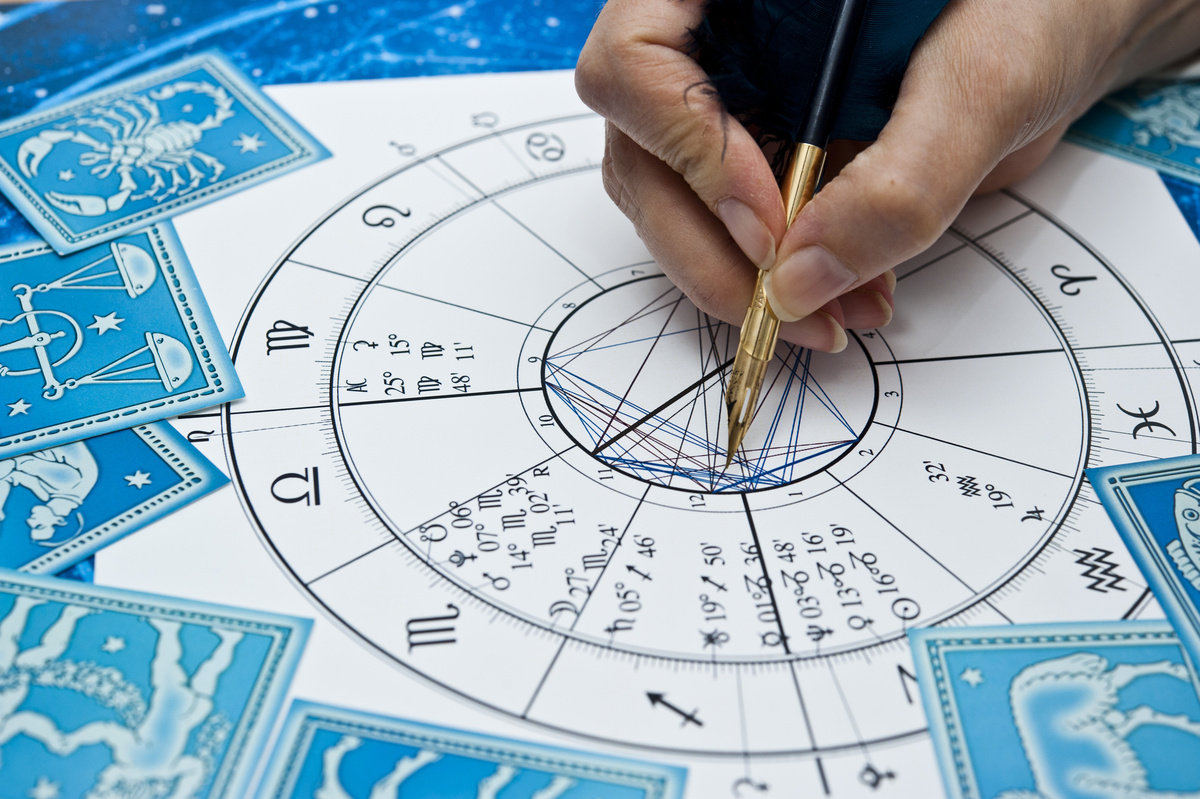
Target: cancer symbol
<point>131,135</point>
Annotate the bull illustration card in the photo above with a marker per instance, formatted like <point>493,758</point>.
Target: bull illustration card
<point>1156,508</point>
<point>1099,709</point>
<point>60,505</point>
<point>144,149</point>
<point>104,339</point>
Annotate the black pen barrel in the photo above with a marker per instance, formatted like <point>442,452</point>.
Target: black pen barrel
<point>823,105</point>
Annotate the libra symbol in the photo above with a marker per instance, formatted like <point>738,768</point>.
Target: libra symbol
<point>163,359</point>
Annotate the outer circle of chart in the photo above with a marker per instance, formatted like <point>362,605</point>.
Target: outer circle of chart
<point>701,589</point>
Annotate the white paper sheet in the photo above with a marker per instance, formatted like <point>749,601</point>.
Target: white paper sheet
<point>535,538</point>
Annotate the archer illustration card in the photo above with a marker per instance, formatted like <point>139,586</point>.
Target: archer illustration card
<point>1154,122</point>
<point>109,693</point>
<point>104,339</point>
<point>126,156</point>
<point>1156,508</point>
<point>332,752</point>
<point>1061,710</point>
<point>59,505</point>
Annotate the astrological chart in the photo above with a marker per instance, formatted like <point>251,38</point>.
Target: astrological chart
<point>485,434</point>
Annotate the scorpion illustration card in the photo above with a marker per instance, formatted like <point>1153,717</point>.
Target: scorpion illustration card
<point>1155,506</point>
<point>1153,123</point>
<point>332,752</point>
<point>60,505</point>
<point>108,693</point>
<point>102,340</point>
<point>1079,709</point>
<point>145,149</point>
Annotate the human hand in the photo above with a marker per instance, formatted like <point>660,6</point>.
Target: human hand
<point>990,90</point>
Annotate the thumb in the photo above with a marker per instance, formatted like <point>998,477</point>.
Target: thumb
<point>897,196</point>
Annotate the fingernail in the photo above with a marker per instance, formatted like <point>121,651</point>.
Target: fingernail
<point>883,307</point>
<point>890,278</point>
<point>748,231</point>
<point>820,331</point>
<point>805,281</point>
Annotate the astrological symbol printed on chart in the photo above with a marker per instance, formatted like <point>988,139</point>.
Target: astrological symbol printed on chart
<point>1144,415</point>
<point>659,699</point>
<point>284,335</point>
<point>1099,570</point>
<point>162,360</point>
<point>311,493</point>
<point>1067,281</point>
<point>133,137</point>
<point>432,630</point>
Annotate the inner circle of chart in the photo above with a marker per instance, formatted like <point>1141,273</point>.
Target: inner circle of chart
<point>636,375</point>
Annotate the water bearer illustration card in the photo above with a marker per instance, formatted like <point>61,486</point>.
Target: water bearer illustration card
<point>1156,508</point>
<point>107,338</point>
<point>144,149</point>
<point>1155,123</point>
<point>61,504</point>
<point>108,693</point>
<point>1061,710</point>
<point>343,754</point>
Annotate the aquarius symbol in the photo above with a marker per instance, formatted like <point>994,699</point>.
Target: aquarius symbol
<point>163,359</point>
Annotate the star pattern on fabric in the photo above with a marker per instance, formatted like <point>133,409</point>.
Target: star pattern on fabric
<point>105,323</point>
<point>138,479</point>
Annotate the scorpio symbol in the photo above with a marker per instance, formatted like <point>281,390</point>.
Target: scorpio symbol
<point>137,139</point>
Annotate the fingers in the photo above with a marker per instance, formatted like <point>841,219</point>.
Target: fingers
<point>634,71</point>
<point>962,109</point>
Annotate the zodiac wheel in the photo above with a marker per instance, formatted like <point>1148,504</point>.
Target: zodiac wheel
<point>486,435</point>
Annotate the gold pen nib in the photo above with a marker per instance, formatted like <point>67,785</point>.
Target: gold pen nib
<point>756,347</point>
<point>760,330</point>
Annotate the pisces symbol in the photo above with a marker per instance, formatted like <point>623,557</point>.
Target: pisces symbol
<point>1145,415</point>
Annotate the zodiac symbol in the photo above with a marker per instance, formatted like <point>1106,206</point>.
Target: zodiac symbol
<point>1145,415</point>
<point>163,359</point>
<point>1063,273</point>
<point>1071,704</point>
<point>138,139</point>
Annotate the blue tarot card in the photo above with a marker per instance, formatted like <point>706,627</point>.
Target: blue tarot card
<point>1155,123</point>
<point>343,754</point>
<point>141,150</point>
<point>104,339</point>
<point>107,693</point>
<point>1156,508</point>
<point>1081,710</point>
<point>60,505</point>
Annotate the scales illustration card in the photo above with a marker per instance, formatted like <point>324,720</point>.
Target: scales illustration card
<point>107,693</point>
<point>1103,709</point>
<point>1153,122</point>
<point>131,154</point>
<point>1156,508</point>
<point>61,504</point>
<point>103,339</point>
<point>335,753</point>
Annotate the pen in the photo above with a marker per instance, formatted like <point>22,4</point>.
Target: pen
<point>796,72</point>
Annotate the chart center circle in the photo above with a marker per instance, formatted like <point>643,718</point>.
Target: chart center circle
<point>636,376</point>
